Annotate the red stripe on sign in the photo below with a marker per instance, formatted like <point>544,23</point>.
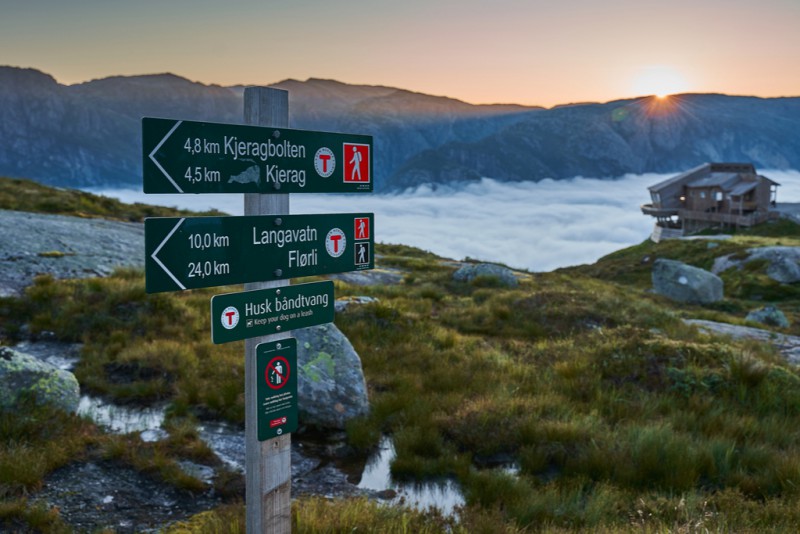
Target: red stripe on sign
<point>277,422</point>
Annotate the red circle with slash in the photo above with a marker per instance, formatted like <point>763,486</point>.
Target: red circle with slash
<point>277,373</point>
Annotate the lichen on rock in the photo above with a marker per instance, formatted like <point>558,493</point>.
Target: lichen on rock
<point>23,376</point>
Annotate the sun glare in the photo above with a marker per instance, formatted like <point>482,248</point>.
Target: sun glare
<point>660,81</point>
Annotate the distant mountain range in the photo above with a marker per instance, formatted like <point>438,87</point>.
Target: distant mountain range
<point>88,135</point>
<point>626,136</point>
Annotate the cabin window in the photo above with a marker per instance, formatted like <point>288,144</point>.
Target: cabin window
<point>720,196</point>
<point>702,194</point>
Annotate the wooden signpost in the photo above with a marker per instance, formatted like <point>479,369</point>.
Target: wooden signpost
<point>264,160</point>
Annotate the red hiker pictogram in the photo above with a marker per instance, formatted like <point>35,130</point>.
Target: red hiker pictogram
<point>362,228</point>
<point>356,163</point>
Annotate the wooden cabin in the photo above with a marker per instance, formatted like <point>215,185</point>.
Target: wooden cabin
<point>711,195</point>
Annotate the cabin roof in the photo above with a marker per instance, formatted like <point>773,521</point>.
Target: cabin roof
<point>724,180</point>
<point>675,179</point>
<point>729,177</point>
<point>743,188</point>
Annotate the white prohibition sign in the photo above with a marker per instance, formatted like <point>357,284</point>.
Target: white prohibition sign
<point>229,318</point>
<point>324,162</point>
<point>335,242</point>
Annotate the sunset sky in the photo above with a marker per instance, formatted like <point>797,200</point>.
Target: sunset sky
<point>538,52</point>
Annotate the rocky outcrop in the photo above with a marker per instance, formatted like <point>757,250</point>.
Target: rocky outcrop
<point>23,376</point>
<point>372,277</point>
<point>331,385</point>
<point>343,303</point>
<point>783,263</point>
<point>684,283</point>
<point>789,346</point>
<point>488,272</point>
<point>770,316</point>
<point>64,247</point>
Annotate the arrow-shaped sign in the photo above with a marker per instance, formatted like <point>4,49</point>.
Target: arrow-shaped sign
<point>203,157</point>
<point>187,253</point>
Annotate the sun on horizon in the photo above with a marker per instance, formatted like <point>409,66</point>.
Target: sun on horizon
<point>659,81</point>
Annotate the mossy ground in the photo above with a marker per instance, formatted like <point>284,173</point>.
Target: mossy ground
<point>620,417</point>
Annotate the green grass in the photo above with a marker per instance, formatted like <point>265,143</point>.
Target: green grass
<point>27,195</point>
<point>619,416</point>
<point>35,441</point>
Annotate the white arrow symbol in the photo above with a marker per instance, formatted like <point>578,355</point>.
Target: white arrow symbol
<point>159,165</point>
<point>164,242</point>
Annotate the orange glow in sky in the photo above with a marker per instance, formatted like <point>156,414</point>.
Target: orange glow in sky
<point>660,81</point>
<point>534,52</point>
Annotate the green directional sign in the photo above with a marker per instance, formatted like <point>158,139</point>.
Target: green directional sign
<point>194,252</point>
<point>203,157</point>
<point>276,364</point>
<point>262,312</point>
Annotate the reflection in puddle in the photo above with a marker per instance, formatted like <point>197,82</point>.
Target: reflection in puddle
<point>228,443</point>
<point>120,419</point>
<point>445,496</point>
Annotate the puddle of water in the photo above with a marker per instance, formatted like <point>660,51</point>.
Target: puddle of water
<point>120,419</point>
<point>226,441</point>
<point>62,355</point>
<point>445,496</point>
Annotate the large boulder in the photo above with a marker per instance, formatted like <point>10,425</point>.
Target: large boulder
<point>331,383</point>
<point>486,271</point>
<point>684,283</point>
<point>24,376</point>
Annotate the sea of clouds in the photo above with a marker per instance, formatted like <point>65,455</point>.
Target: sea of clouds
<point>537,226</point>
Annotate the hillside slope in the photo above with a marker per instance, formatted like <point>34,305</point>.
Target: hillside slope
<point>577,400</point>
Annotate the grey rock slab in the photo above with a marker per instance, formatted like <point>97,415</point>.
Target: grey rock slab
<point>22,375</point>
<point>65,247</point>
<point>94,496</point>
<point>789,346</point>
<point>372,277</point>
<point>685,283</point>
<point>784,270</point>
<point>783,266</point>
<point>770,316</point>
<point>61,355</point>
<point>343,303</point>
<point>331,383</point>
<point>784,262</point>
<point>470,272</point>
<point>723,263</point>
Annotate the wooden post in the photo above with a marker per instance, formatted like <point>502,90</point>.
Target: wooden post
<point>268,465</point>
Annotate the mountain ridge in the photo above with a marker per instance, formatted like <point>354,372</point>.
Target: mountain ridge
<point>620,137</point>
<point>88,134</point>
